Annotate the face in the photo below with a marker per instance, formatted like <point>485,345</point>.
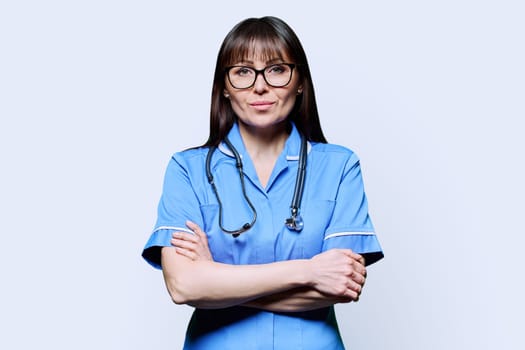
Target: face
<point>262,107</point>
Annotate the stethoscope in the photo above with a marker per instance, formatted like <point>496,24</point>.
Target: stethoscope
<point>294,222</point>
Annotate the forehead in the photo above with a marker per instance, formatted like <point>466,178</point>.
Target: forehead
<point>265,50</point>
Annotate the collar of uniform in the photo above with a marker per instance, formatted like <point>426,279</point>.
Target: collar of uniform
<point>292,146</point>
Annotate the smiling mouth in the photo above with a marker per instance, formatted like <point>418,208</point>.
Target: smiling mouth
<point>262,105</point>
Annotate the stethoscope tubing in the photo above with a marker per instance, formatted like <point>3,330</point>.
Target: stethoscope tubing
<point>299,182</point>
<point>294,222</point>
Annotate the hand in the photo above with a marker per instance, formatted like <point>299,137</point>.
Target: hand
<point>193,246</point>
<point>340,273</point>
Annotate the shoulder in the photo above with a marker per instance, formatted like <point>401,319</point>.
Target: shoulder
<point>190,161</point>
<point>190,155</point>
<point>334,153</point>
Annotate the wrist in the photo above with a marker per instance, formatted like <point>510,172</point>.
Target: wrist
<point>305,276</point>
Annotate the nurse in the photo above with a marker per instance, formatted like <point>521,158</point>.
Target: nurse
<point>260,275</point>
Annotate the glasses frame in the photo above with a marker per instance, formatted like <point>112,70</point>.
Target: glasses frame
<point>260,71</point>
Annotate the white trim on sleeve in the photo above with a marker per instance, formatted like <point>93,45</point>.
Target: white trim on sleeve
<point>350,233</point>
<point>174,228</point>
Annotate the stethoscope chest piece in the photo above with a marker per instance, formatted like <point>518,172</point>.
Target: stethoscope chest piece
<point>295,222</point>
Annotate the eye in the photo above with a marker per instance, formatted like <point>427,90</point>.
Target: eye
<point>277,69</point>
<point>242,71</point>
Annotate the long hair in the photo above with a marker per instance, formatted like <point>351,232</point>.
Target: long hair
<point>271,37</point>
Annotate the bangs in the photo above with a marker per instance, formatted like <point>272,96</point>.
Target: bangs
<point>253,47</point>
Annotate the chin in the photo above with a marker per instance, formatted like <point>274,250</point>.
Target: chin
<point>263,123</point>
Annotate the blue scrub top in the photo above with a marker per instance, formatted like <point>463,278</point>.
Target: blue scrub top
<point>335,213</point>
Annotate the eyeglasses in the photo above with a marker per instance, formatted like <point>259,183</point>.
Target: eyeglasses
<point>275,75</point>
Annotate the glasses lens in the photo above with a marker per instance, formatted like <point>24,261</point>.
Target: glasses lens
<point>277,75</point>
<point>241,77</point>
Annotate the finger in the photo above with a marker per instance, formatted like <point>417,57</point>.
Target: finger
<point>361,259</point>
<point>201,235</point>
<point>197,230</point>
<point>183,244</point>
<point>358,278</point>
<point>185,236</point>
<point>184,252</point>
<point>352,295</point>
<point>354,287</point>
<point>347,252</point>
<point>359,269</point>
<point>356,256</point>
<point>355,281</point>
<point>358,266</point>
<point>193,226</point>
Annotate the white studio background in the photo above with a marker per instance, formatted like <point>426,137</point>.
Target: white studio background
<point>95,96</point>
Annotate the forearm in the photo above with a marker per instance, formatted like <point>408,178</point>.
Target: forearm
<point>296,300</point>
<point>207,284</point>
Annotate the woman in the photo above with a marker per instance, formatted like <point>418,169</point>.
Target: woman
<point>262,275</point>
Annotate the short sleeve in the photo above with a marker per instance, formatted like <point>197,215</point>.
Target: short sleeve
<point>350,226</point>
<point>178,203</point>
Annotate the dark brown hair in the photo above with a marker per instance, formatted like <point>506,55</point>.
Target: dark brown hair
<point>271,37</point>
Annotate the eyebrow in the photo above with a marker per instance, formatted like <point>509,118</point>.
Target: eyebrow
<point>269,62</point>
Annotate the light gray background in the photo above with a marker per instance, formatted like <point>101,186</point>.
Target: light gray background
<point>95,96</point>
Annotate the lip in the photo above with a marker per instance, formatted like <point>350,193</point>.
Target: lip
<point>262,105</point>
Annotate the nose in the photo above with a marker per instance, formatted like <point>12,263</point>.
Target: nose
<point>260,85</point>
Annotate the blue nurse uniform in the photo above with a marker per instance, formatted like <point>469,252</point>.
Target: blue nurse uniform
<point>335,213</point>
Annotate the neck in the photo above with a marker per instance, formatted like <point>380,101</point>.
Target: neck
<point>264,147</point>
<point>267,143</point>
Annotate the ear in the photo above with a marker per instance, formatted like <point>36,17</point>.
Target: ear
<point>300,90</point>
<point>226,94</point>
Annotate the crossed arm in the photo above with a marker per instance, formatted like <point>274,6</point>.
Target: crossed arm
<point>193,278</point>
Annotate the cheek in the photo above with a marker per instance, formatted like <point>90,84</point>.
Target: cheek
<point>237,106</point>
<point>290,95</point>
<point>289,100</point>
